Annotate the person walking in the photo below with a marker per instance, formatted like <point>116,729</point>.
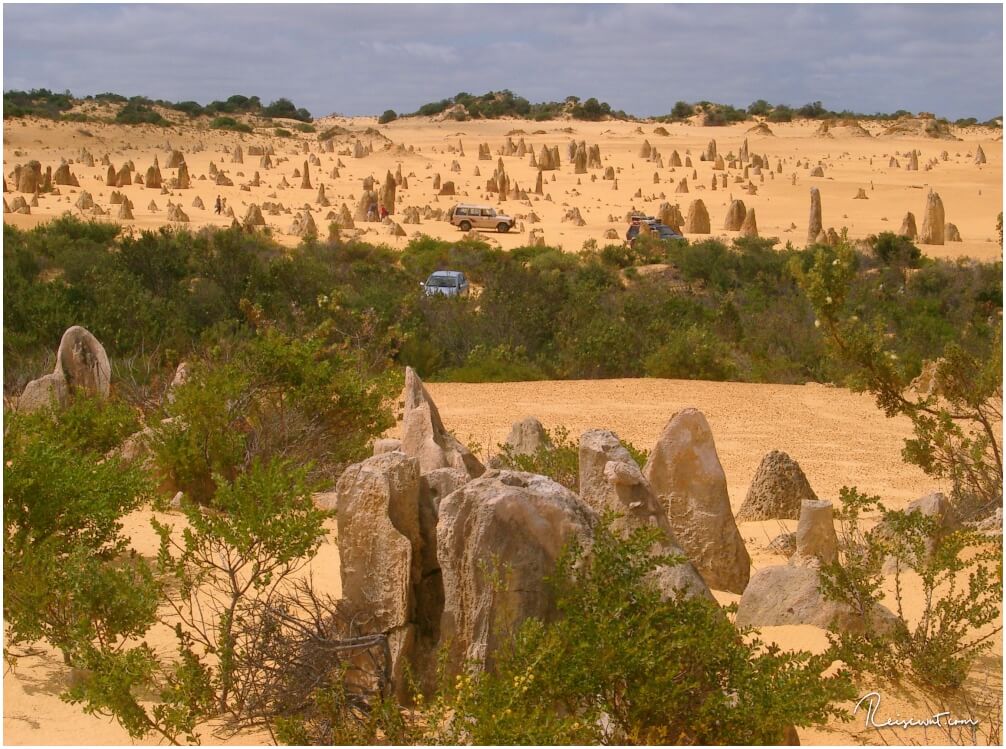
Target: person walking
<point>383,212</point>
<point>219,206</point>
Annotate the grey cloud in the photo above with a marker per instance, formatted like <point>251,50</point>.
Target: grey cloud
<point>359,59</point>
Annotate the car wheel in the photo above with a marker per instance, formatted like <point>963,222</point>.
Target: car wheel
<point>465,226</point>
<point>503,227</point>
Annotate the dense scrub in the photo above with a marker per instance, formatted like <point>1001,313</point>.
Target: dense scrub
<point>728,313</point>
<point>137,110</point>
<point>496,104</point>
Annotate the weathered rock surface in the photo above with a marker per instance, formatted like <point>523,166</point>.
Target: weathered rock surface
<point>685,472</point>
<point>380,550</point>
<point>424,435</point>
<point>510,524</point>
<point>610,480</point>
<point>777,489</point>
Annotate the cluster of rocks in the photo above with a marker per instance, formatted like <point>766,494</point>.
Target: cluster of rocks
<point>439,516</point>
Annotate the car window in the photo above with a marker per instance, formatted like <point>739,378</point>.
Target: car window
<point>461,212</point>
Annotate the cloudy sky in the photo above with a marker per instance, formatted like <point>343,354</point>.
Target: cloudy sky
<point>363,59</point>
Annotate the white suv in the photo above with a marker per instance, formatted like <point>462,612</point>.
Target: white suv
<point>467,217</point>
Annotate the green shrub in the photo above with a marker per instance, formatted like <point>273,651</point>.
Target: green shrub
<point>691,354</point>
<point>286,109</point>
<point>501,364</point>
<point>86,425</point>
<point>389,116</point>
<point>952,629</point>
<point>137,111</point>
<point>229,123</point>
<point>780,113</point>
<point>268,397</point>
<point>558,458</point>
<point>304,127</point>
<point>67,578</point>
<point>282,133</point>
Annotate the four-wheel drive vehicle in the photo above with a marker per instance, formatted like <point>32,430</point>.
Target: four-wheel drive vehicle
<point>446,282</point>
<point>662,231</point>
<point>467,216</point>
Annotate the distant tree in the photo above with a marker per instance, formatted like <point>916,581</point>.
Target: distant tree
<point>780,113</point>
<point>390,115</point>
<point>682,110</point>
<point>759,107</point>
<point>814,110</point>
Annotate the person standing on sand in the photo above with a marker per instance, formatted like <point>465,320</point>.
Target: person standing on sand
<point>383,212</point>
<point>372,213</point>
<point>219,206</point>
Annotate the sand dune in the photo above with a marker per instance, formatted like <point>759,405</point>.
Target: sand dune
<point>839,438</point>
<point>423,148</point>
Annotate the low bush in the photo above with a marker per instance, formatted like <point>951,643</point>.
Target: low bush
<point>229,123</point>
<point>960,573</point>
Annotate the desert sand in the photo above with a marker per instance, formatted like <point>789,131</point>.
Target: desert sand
<point>424,148</point>
<point>838,437</point>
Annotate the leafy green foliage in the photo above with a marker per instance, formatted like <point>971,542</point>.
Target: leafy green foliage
<point>505,103</point>
<point>260,529</point>
<point>558,458</point>
<point>534,312</point>
<point>390,115</point>
<point>71,579</point>
<point>267,397</point>
<point>39,102</point>
<point>286,109</point>
<point>956,437</point>
<point>86,425</point>
<point>137,111</point>
<point>229,123</point>
<point>960,574</point>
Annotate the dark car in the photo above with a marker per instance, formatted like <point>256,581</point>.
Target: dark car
<point>662,231</point>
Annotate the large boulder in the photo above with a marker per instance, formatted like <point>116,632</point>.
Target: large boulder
<point>527,437</point>
<point>83,363</point>
<point>48,390</point>
<point>697,221</point>
<point>508,525</point>
<point>424,436</point>
<point>776,491</point>
<point>685,472</point>
<point>380,550</point>
<point>610,480</point>
<point>791,594</point>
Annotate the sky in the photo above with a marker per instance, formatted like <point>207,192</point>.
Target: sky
<point>364,59</point>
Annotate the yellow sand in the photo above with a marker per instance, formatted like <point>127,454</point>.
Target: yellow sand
<point>838,438</point>
<point>972,195</point>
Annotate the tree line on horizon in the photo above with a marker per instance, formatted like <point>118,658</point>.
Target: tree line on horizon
<point>41,102</point>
